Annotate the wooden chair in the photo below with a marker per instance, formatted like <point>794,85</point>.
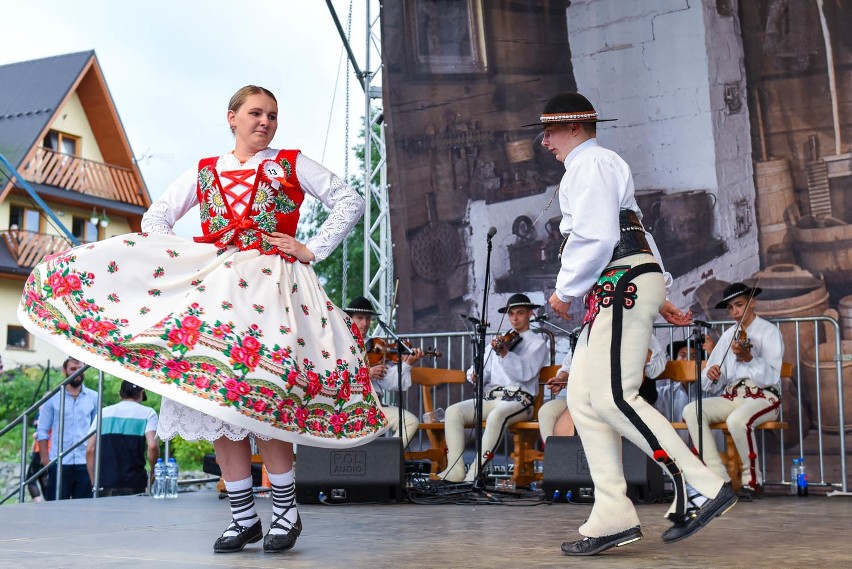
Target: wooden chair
<point>428,379</point>
<point>525,436</point>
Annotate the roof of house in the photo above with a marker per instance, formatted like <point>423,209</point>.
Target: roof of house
<point>30,94</point>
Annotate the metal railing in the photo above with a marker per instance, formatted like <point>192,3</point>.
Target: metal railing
<point>61,452</point>
<point>457,355</point>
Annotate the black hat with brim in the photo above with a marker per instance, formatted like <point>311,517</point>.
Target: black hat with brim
<point>360,305</point>
<point>734,290</point>
<point>518,301</point>
<point>566,108</point>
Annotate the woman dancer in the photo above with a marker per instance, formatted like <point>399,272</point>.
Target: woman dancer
<point>233,329</point>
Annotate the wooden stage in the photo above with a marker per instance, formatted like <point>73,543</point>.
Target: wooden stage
<point>136,531</point>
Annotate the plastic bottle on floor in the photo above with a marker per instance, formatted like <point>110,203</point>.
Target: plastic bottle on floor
<point>172,479</point>
<point>794,477</point>
<point>802,479</point>
<point>158,490</point>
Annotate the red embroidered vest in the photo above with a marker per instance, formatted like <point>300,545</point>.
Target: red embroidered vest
<point>270,204</point>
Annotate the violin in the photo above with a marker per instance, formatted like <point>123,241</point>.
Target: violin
<point>506,341</point>
<point>743,342</point>
<point>380,351</point>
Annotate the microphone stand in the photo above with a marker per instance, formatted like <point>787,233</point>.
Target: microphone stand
<point>479,372</point>
<point>401,349</point>
<point>699,356</point>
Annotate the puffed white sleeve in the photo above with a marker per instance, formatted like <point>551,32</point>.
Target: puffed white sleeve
<point>657,362</point>
<point>595,233</point>
<point>179,198</point>
<point>345,204</point>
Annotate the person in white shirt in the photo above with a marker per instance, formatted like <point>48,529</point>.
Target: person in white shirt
<point>510,384</point>
<point>609,258</point>
<point>745,374</point>
<point>385,375</point>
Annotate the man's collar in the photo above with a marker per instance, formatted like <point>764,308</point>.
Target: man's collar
<point>581,147</point>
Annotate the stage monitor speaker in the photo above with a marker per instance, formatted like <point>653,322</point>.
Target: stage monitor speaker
<point>373,472</point>
<point>566,469</point>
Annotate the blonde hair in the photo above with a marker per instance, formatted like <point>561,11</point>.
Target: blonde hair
<point>244,93</point>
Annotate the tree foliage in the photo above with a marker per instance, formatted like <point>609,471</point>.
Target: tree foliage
<point>351,257</point>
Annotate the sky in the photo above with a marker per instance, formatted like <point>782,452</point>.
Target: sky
<point>172,66</point>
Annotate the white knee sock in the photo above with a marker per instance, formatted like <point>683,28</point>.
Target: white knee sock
<point>242,504</point>
<point>283,501</point>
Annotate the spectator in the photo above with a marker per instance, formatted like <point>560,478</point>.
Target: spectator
<point>128,435</point>
<point>81,407</point>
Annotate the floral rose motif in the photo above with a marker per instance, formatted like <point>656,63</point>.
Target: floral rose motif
<point>191,322</point>
<point>73,282</point>
<point>251,343</point>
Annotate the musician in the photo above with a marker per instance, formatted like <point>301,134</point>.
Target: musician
<point>384,375</point>
<point>510,384</point>
<point>744,371</point>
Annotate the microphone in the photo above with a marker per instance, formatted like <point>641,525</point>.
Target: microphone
<point>469,318</point>
<point>542,318</point>
<point>491,232</point>
<point>702,324</point>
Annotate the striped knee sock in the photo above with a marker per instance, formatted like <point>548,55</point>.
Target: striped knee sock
<point>283,502</point>
<point>242,504</point>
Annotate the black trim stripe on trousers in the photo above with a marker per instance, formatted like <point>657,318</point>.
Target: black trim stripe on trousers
<point>618,391</point>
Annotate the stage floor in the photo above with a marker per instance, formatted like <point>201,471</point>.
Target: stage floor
<point>131,532</point>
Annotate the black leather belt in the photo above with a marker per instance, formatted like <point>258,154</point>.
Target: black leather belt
<point>632,240</point>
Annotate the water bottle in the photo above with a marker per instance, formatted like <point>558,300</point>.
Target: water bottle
<point>794,477</point>
<point>158,490</point>
<point>172,479</point>
<point>802,479</point>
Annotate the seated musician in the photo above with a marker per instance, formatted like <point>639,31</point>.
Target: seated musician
<point>744,370</point>
<point>510,384</point>
<point>553,416</point>
<point>384,374</point>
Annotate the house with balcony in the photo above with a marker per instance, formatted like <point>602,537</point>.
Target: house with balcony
<point>60,129</point>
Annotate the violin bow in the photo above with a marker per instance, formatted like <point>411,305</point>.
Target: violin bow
<point>740,321</point>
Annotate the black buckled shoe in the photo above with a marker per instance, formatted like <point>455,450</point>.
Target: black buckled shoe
<point>234,543</point>
<point>749,493</point>
<point>594,545</point>
<point>277,542</point>
<point>697,518</point>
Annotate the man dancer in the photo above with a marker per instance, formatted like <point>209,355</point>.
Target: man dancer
<point>608,255</point>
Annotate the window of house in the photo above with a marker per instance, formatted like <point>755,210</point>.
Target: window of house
<point>24,218</point>
<point>84,230</point>
<point>62,142</point>
<point>17,337</point>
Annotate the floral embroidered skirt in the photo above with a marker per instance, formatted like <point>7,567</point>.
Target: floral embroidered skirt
<point>247,338</point>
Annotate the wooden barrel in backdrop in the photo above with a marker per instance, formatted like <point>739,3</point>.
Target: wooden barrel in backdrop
<point>824,245</point>
<point>844,308</point>
<point>775,194</point>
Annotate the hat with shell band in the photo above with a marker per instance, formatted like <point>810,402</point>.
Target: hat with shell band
<point>568,108</point>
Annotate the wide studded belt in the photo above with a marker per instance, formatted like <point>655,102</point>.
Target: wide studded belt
<point>632,239</point>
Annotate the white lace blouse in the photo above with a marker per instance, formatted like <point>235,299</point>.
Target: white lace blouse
<point>346,209</point>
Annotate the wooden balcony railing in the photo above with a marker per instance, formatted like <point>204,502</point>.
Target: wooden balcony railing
<point>28,247</point>
<point>84,176</point>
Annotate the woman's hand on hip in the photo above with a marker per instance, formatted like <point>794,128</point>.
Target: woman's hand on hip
<point>289,245</point>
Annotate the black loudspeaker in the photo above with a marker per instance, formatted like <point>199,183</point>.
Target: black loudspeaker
<point>373,472</point>
<point>566,469</point>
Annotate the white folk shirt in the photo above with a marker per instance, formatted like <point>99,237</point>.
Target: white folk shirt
<point>657,364</point>
<point>390,382</point>
<point>518,368</point>
<point>597,184</point>
<point>345,204</point>
<point>764,369</point>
